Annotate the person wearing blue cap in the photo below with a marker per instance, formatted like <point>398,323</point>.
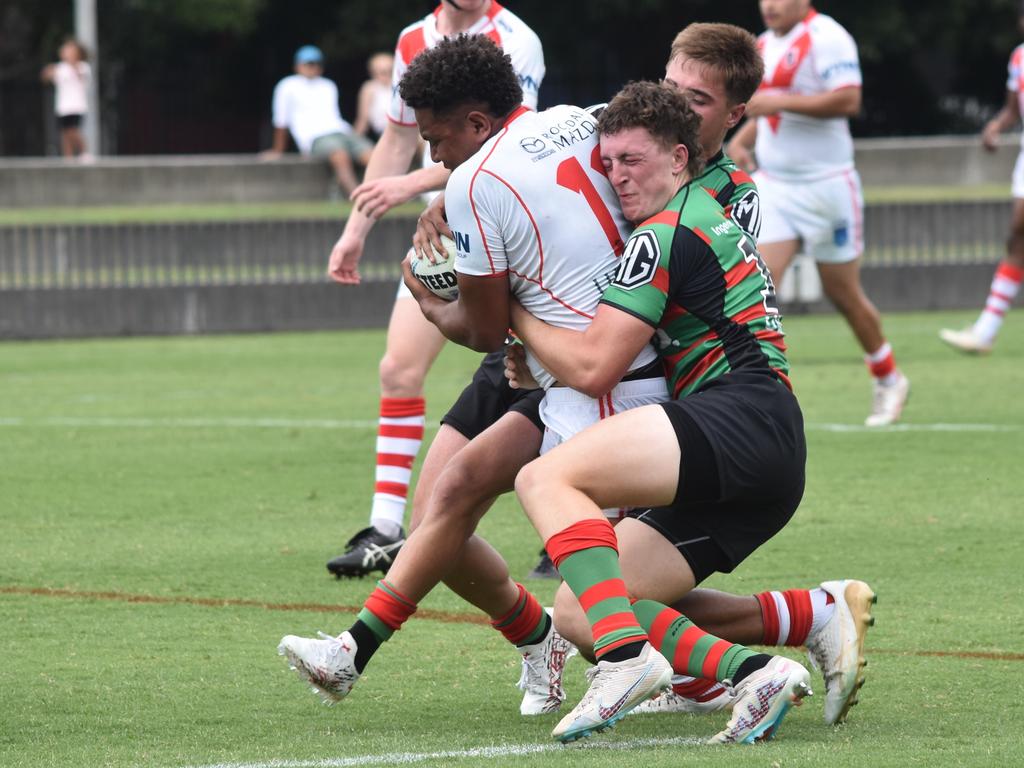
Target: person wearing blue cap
<point>306,105</point>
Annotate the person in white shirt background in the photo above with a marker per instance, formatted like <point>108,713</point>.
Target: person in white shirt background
<point>306,104</point>
<point>70,77</point>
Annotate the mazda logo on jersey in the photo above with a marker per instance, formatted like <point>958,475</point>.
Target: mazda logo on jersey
<point>639,262</point>
<point>532,145</point>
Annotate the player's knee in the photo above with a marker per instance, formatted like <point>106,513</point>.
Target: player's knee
<point>400,377</point>
<point>455,494</point>
<point>534,482</point>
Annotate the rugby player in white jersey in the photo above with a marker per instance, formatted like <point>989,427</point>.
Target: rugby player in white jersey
<point>979,338</point>
<point>533,216</point>
<point>412,343</point>
<point>811,195</point>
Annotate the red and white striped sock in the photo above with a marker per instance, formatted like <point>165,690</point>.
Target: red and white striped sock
<point>882,364</point>
<point>399,436</point>
<point>1005,285</point>
<point>790,616</point>
<point>696,688</point>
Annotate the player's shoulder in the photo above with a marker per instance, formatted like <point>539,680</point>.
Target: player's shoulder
<point>412,40</point>
<point>823,27</point>
<point>511,25</point>
<point>288,82</point>
<point>1017,55</point>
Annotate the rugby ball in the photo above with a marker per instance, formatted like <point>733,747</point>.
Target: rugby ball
<point>437,273</point>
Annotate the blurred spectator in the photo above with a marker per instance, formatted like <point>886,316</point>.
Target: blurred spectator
<point>70,77</point>
<point>306,104</point>
<point>374,97</point>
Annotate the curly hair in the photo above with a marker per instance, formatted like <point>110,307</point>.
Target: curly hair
<point>467,69</point>
<point>660,110</point>
<point>727,50</point>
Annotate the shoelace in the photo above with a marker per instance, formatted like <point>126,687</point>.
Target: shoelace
<point>531,673</point>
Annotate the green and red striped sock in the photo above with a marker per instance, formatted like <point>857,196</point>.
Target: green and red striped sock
<point>586,554</point>
<point>527,623</point>
<point>690,649</point>
<point>383,613</point>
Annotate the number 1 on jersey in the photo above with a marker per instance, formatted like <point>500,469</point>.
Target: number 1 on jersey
<point>571,175</point>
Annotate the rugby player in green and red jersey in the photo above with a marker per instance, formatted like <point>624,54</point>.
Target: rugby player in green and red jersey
<point>721,465</point>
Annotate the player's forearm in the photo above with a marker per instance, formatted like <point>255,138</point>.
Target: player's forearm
<point>1005,119</point>
<point>565,354</point>
<point>455,324</point>
<point>428,179</point>
<point>844,102</point>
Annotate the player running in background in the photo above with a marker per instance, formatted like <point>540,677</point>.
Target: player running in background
<point>413,343</point>
<point>724,460</point>
<point>810,191</point>
<point>980,337</point>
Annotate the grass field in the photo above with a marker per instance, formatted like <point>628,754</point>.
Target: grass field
<point>168,505</point>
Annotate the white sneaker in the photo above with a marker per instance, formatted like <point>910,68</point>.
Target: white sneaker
<point>837,649</point>
<point>615,688</point>
<point>888,402</point>
<point>541,679</point>
<point>966,341</point>
<point>327,664</point>
<point>671,701</point>
<point>762,700</point>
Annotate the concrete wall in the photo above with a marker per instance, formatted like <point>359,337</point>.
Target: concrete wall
<point>84,312</point>
<point>939,160</point>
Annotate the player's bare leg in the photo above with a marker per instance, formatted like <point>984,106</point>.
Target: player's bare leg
<point>980,337</point>
<point>778,256</point>
<point>413,343</point>
<point>841,284</point>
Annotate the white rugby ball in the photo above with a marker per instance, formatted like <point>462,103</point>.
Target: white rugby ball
<point>438,275</point>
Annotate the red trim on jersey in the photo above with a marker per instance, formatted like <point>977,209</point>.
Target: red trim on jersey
<point>785,69</point>
<point>672,312</point>
<point>701,235</point>
<point>673,359</point>
<point>740,272</point>
<point>412,44</point>
<point>810,15</point>
<point>698,370</point>
<point>395,460</point>
<point>740,176</point>
<point>660,280</point>
<point>775,338</point>
<point>710,191</point>
<point>399,122</point>
<point>783,378</point>
<point>611,405</point>
<point>671,218</point>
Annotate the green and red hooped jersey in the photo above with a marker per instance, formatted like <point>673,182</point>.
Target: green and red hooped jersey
<point>734,190</point>
<point>693,275</point>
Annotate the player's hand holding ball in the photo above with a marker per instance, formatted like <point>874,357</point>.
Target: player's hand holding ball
<point>435,271</point>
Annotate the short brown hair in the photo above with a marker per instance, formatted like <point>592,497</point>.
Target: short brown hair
<point>726,49</point>
<point>660,110</point>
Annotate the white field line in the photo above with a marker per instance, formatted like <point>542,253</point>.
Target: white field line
<point>478,753</point>
<point>286,423</point>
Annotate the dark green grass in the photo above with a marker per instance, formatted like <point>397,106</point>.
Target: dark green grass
<point>132,499</point>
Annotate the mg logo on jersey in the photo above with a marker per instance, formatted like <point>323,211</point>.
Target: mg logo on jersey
<point>532,144</point>
<point>639,262</point>
<point>461,242</point>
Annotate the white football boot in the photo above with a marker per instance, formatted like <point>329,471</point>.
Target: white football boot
<point>762,699</point>
<point>888,402</point>
<point>541,678</point>
<point>671,701</point>
<point>615,688</point>
<point>966,341</point>
<point>327,664</point>
<point>837,649</point>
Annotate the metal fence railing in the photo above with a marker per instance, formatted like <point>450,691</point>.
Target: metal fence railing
<point>296,251</point>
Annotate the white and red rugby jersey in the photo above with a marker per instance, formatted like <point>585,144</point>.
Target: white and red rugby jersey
<point>501,25</point>
<point>1015,79</point>
<point>535,206</point>
<point>816,56</point>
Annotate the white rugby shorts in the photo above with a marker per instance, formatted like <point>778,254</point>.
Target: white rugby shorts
<point>826,215</point>
<point>565,411</point>
<point>1018,177</point>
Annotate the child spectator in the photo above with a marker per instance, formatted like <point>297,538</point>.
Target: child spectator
<point>70,77</point>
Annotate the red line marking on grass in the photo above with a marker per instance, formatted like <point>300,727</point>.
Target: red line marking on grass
<point>224,602</point>
<point>444,616</point>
